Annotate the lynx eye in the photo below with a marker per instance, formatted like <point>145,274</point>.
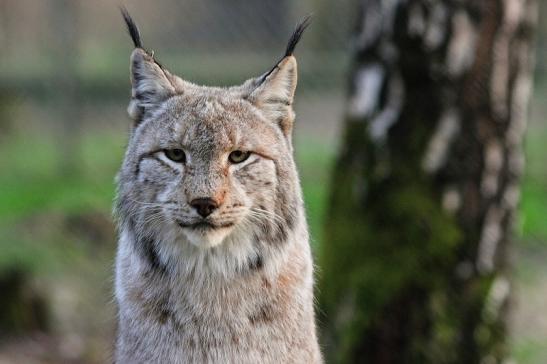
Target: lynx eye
<point>238,156</point>
<point>176,155</point>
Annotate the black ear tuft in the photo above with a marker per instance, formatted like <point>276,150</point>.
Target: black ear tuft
<point>131,27</point>
<point>295,37</point>
<point>293,41</point>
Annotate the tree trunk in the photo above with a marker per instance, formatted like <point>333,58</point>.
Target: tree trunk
<point>414,265</point>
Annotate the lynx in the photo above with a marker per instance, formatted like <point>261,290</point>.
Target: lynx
<point>213,262</point>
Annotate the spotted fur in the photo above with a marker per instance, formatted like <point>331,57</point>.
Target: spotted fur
<point>240,289</point>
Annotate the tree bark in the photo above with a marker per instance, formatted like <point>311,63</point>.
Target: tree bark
<point>415,262</point>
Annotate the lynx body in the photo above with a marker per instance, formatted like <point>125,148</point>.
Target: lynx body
<point>213,263</point>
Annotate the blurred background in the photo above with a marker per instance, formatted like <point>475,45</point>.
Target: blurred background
<point>64,88</point>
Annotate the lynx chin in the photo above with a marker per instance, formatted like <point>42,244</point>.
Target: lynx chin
<point>213,262</point>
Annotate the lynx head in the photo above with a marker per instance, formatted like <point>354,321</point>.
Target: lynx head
<point>204,164</point>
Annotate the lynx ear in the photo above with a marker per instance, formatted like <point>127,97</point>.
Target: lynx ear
<point>151,84</point>
<point>275,94</point>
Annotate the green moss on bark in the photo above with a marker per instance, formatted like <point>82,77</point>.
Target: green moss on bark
<point>397,239</point>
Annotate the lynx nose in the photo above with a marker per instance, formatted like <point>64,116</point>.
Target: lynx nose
<point>204,206</point>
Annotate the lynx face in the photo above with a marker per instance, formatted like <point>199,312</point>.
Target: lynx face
<point>205,163</point>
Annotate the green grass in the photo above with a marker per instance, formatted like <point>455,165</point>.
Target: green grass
<point>38,195</point>
<point>37,180</point>
<point>534,189</point>
<point>314,163</point>
<point>529,350</point>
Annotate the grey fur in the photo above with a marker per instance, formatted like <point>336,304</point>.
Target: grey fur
<point>241,292</point>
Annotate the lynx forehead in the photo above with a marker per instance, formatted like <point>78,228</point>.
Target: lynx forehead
<point>214,263</point>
